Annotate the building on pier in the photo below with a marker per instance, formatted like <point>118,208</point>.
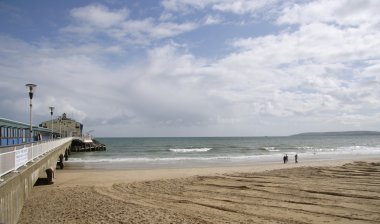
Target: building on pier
<point>64,126</point>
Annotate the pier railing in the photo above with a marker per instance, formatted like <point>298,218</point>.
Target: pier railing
<point>17,156</point>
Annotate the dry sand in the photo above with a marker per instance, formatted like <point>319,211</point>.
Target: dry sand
<point>291,193</point>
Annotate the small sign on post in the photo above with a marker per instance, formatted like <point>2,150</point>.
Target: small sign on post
<point>21,157</point>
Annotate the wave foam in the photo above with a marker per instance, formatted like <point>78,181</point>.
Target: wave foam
<point>187,150</point>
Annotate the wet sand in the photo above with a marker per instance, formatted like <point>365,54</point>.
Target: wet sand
<point>333,192</point>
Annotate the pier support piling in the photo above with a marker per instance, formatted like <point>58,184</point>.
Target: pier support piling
<point>50,176</point>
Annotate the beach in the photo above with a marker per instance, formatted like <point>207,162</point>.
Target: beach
<point>336,191</point>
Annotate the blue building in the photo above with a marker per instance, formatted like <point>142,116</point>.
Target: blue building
<point>15,133</point>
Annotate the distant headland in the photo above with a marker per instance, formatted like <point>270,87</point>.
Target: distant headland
<point>339,133</point>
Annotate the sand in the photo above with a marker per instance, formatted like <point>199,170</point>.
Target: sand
<point>323,192</point>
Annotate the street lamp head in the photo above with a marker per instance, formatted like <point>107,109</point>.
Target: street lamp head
<point>51,110</point>
<point>30,87</point>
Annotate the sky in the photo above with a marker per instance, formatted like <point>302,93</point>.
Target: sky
<point>142,68</point>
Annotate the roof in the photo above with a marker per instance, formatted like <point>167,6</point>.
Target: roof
<point>12,123</point>
<point>16,124</point>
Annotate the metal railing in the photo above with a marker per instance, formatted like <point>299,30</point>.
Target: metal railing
<point>12,160</point>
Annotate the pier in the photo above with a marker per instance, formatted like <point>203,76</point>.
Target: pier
<point>20,168</point>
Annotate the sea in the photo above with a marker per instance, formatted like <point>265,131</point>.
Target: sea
<point>141,153</point>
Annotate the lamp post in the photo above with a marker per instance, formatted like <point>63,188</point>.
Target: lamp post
<point>51,116</point>
<point>30,87</point>
<point>60,132</point>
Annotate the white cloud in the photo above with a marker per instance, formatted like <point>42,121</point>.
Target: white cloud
<point>316,42</point>
<point>342,12</point>
<point>212,20</point>
<point>98,19</point>
<point>242,6</point>
<point>372,70</point>
<point>236,7</point>
<point>99,15</point>
<point>164,30</point>
<point>175,5</point>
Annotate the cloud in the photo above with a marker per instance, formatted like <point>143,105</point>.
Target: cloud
<point>242,7</point>
<point>236,7</point>
<point>174,5</point>
<point>316,42</point>
<point>168,89</point>
<point>372,70</point>
<point>342,12</point>
<point>212,20</point>
<point>99,16</point>
<point>100,20</point>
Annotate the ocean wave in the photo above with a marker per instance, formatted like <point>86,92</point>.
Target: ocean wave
<point>305,147</point>
<point>165,159</point>
<point>187,150</point>
<point>270,149</point>
<point>273,150</point>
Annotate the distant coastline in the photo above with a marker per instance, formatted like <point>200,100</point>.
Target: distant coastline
<point>341,133</point>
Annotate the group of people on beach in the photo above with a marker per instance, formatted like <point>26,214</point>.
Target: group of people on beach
<point>286,159</point>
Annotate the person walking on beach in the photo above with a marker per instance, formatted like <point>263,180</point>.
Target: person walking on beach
<point>296,158</point>
<point>285,158</point>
